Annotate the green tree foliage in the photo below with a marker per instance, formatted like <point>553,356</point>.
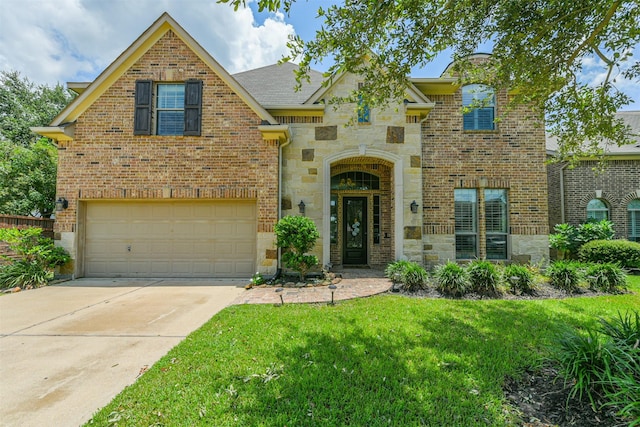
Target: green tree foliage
<point>28,164</point>
<point>539,51</point>
<point>28,178</point>
<point>297,235</point>
<point>23,104</point>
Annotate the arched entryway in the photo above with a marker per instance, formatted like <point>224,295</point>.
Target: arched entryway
<point>361,192</point>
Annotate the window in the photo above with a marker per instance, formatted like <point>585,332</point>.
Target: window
<point>355,181</point>
<point>170,109</point>
<point>495,212</point>
<point>364,114</point>
<point>597,210</point>
<point>633,223</point>
<point>466,217</point>
<point>376,220</point>
<point>333,228</point>
<point>177,108</point>
<point>482,101</point>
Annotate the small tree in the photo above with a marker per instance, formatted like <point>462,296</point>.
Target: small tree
<point>297,235</point>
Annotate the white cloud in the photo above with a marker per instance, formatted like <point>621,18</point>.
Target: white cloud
<point>55,41</point>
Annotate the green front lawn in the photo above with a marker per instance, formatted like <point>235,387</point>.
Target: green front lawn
<point>386,360</point>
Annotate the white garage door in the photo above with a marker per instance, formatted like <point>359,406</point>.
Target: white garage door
<point>170,239</point>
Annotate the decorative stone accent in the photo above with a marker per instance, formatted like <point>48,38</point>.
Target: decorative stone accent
<point>413,232</point>
<point>271,254</point>
<point>415,162</point>
<point>286,203</point>
<point>395,135</point>
<point>313,171</point>
<point>326,133</point>
<point>308,154</point>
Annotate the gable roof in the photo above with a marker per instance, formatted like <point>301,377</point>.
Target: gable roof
<point>274,84</point>
<point>131,55</point>
<point>630,118</point>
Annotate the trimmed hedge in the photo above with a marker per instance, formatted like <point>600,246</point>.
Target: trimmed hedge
<point>623,252</point>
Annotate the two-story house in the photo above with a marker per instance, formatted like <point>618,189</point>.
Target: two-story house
<point>170,166</point>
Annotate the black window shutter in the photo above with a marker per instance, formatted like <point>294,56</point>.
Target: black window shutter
<point>143,104</point>
<point>192,107</point>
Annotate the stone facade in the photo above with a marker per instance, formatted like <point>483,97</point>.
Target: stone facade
<point>616,186</point>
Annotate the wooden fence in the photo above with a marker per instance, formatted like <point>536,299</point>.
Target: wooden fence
<point>22,222</point>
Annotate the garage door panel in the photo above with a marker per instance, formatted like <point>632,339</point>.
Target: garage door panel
<point>170,239</point>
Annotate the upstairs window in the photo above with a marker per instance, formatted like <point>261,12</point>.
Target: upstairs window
<point>481,100</point>
<point>597,210</point>
<point>633,224</point>
<point>364,113</point>
<point>177,109</point>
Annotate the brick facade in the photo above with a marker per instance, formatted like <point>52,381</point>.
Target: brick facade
<point>510,157</point>
<point>416,148</point>
<point>616,185</point>
<point>230,160</point>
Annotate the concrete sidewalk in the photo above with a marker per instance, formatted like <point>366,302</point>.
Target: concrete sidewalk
<point>66,350</point>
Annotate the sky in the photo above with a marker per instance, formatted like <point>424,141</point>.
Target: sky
<point>60,41</point>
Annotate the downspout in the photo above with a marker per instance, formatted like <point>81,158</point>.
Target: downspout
<point>281,146</point>
<point>562,213</point>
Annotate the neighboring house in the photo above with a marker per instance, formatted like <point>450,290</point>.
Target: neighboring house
<point>583,192</point>
<point>172,167</point>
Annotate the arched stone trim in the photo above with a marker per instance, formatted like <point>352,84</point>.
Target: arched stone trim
<point>608,198</point>
<point>629,197</point>
<point>398,191</point>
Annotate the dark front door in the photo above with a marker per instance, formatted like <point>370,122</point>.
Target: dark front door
<point>354,230</point>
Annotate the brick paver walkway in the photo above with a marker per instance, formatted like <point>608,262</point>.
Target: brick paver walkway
<point>355,283</point>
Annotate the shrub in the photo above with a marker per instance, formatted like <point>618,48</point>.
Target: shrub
<point>519,278</point>
<point>451,279</point>
<point>606,362</point>
<point>565,275</point>
<point>623,252</point>
<point>606,277</point>
<point>484,277</point>
<point>414,277</point>
<point>568,239</point>
<point>24,274</point>
<point>394,270</point>
<point>297,235</point>
<point>583,360</point>
<point>37,257</point>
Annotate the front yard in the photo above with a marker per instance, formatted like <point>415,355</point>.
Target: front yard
<point>386,360</point>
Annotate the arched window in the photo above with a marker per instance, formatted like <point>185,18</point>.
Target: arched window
<point>597,210</point>
<point>633,223</point>
<point>482,101</point>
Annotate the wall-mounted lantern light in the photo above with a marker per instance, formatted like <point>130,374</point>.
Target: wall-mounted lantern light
<point>414,207</point>
<point>61,204</point>
<point>301,206</point>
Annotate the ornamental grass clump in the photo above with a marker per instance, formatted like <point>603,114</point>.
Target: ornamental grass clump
<point>604,364</point>
<point>394,270</point>
<point>414,277</point>
<point>519,279</point>
<point>484,277</point>
<point>565,275</point>
<point>607,277</point>
<point>451,279</point>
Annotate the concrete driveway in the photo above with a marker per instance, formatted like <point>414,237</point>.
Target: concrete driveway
<point>66,350</point>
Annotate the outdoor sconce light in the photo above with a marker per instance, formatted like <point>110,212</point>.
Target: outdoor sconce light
<point>301,206</point>
<point>414,207</point>
<point>279,292</point>
<point>61,204</point>
<point>333,289</point>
